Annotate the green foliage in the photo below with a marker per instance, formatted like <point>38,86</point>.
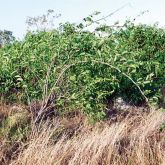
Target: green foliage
<point>86,68</point>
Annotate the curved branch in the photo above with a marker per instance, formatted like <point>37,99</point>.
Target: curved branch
<point>98,62</point>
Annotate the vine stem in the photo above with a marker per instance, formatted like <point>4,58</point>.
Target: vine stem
<point>124,74</point>
<point>98,62</point>
<point>109,15</point>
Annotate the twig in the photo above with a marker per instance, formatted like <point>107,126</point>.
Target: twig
<point>109,15</point>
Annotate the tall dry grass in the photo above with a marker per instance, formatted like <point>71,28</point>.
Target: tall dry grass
<point>135,140</point>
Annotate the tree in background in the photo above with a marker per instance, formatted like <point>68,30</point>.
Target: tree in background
<point>6,37</point>
<point>42,23</point>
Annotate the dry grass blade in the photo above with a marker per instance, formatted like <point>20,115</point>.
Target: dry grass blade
<point>134,140</point>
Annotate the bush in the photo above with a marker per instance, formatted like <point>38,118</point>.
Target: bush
<point>85,69</point>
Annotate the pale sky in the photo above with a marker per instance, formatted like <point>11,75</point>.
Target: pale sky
<point>13,13</point>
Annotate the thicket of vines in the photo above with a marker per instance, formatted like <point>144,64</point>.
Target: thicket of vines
<point>84,69</point>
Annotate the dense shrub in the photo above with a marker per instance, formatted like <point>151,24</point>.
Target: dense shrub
<point>85,68</point>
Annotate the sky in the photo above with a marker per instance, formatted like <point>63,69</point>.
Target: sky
<point>13,13</point>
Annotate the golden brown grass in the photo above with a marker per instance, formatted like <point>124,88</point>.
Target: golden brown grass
<point>14,123</point>
<point>134,140</point>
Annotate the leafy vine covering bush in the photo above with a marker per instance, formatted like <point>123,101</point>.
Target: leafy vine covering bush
<point>85,69</point>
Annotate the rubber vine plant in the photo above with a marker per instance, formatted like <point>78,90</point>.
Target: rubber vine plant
<point>85,64</point>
